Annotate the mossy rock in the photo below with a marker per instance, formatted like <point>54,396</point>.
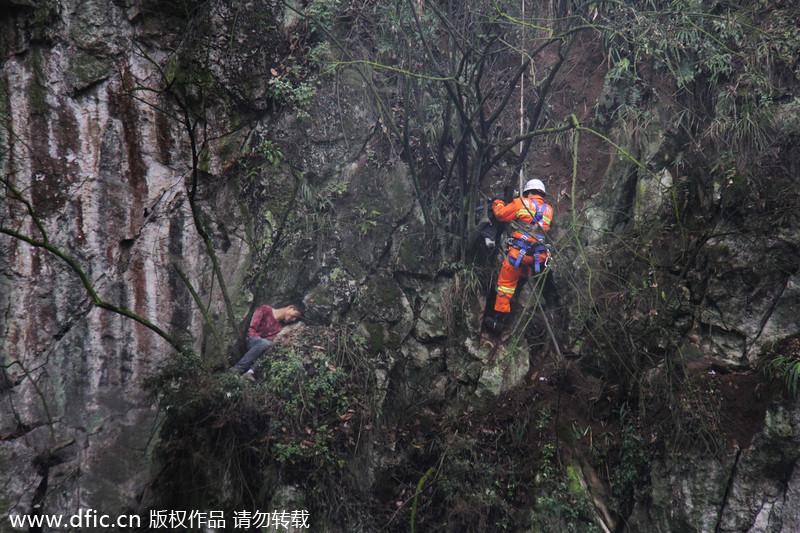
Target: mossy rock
<point>87,69</point>
<point>381,299</point>
<point>433,315</point>
<point>653,198</point>
<point>781,423</point>
<point>413,250</point>
<point>381,338</point>
<point>503,367</point>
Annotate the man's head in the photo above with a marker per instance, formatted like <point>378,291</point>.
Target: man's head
<point>534,187</point>
<point>292,312</point>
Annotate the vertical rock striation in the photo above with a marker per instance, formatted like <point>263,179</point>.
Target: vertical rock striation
<point>88,153</point>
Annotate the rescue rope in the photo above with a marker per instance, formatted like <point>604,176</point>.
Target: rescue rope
<point>522,97</point>
<point>549,330</point>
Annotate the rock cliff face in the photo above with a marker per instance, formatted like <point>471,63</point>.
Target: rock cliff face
<point>97,165</point>
<point>741,489</point>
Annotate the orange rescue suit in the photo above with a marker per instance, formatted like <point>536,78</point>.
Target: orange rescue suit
<point>522,210</point>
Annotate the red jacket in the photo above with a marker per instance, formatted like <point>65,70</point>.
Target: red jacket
<point>263,324</point>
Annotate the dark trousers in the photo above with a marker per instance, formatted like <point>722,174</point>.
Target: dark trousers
<point>256,347</point>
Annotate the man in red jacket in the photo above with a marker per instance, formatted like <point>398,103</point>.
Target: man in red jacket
<point>529,217</point>
<point>266,323</point>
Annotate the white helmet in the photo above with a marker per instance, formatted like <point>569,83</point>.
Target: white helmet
<point>534,185</point>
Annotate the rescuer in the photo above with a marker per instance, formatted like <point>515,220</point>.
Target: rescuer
<point>529,217</point>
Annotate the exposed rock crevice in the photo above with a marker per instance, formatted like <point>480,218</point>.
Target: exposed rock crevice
<point>728,489</point>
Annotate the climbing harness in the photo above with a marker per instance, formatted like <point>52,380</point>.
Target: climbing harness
<point>530,243</point>
<point>524,246</point>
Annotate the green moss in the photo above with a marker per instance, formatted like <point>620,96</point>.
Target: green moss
<point>375,338</point>
<point>351,264</point>
<point>87,69</point>
<point>413,251</point>
<point>338,274</point>
<point>44,15</point>
<point>574,482</point>
<point>394,341</point>
<point>6,503</point>
<point>565,433</point>
<point>228,148</point>
<point>779,423</point>
<point>379,339</point>
<point>37,90</point>
<point>4,109</point>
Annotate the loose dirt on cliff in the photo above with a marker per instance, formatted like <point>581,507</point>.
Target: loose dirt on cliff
<point>575,92</point>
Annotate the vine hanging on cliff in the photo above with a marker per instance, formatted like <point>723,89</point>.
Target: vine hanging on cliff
<point>44,243</point>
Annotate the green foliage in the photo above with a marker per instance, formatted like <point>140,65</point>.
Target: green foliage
<point>630,477</point>
<point>270,151</point>
<point>420,486</point>
<point>789,370</point>
<point>305,386</point>
<point>783,361</point>
<point>498,474</point>
<point>297,424</point>
<point>562,503</point>
<point>444,79</point>
<point>321,15</point>
<point>317,202</point>
<point>682,38</point>
<point>470,282</point>
<point>369,218</point>
<point>298,94</point>
<point>627,467</point>
<point>320,54</point>
<point>477,491</point>
<point>45,13</point>
<point>729,63</point>
<point>743,125</point>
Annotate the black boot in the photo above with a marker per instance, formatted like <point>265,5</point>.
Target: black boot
<point>495,322</point>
